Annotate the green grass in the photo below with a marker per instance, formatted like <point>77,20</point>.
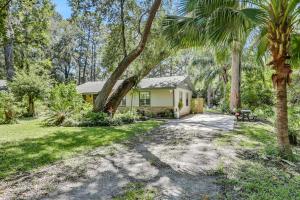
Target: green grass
<point>255,181</point>
<point>249,135</point>
<point>136,191</point>
<point>28,145</point>
<point>253,176</point>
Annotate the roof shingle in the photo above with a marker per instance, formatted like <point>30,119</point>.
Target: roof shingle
<point>147,83</point>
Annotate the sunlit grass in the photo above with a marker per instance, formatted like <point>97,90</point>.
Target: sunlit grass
<point>248,135</point>
<point>254,176</point>
<point>136,191</point>
<point>29,145</point>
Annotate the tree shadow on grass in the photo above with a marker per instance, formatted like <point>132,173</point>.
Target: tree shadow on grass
<point>23,156</point>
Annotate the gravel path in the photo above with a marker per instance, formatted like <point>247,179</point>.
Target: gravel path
<point>175,159</point>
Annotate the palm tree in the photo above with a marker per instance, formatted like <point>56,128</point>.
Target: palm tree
<point>273,21</point>
<point>199,24</point>
<point>276,21</point>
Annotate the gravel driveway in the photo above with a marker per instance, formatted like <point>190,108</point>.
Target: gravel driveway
<point>175,159</point>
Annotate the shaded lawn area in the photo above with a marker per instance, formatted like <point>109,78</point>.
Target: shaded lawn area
<point>259,173</point>
<point>28,145</point>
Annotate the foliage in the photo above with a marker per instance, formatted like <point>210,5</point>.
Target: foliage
<point>127,117</point>
<point>32,85</point>
<point>103,119</point>
<point>257,94</point>
<point>136,191</point>
<point>257,181</point>
<point>8,108</point>
<point>258,173</point>
<point>167,113</point>
<point>294,108</point>
<point>180,104</point>
<point>29,145</point>
<point>64,103</point>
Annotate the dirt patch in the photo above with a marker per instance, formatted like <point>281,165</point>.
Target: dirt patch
<point>176,160</point>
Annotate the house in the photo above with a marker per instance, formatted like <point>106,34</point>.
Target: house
<point>3,85</point>
<point>152,95</point>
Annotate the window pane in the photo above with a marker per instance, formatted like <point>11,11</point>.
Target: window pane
<point>187,99</point>
<point>123,102</point>
<point>144,98</point>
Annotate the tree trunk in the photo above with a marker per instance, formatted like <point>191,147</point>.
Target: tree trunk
<point>127,85</point>
<point>31,110</point>
<point>126,61</point>
<point>9,46</point>
<point>282,118</point>
<point>120,93</point>
<point>235,101</point>
<point>9,59</point>
<point>86,56</point>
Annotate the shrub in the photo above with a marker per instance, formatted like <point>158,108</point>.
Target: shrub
<point>103,119</point>
<point>65,103</point>
<point>8,108</point>
<point>180,104</point>
<point>169,113</point>
<point>31,84</point>
<point>127,117</point>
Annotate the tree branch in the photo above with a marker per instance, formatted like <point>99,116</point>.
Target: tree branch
<point>126,61</point>
<point>5,5</point>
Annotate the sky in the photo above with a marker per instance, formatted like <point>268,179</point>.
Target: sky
<point>62,8</point>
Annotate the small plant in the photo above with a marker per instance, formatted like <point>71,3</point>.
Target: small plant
<point>180,104</point>
<point>127,117</point>
<point>8,109</point>
<point>103,119</point>
<point>65,103</point>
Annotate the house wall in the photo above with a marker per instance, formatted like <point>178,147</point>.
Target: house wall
<point>185,109</point>
<point>158,98</point>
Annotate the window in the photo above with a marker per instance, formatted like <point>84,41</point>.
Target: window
<point>187,99</point>
<point>123,102</point>
<point>144,98</point>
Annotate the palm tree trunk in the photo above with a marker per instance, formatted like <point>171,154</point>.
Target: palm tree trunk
<point>282,119</point>
<point>235,101</point>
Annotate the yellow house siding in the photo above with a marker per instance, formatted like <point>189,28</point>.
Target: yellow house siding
<point>89,98</point>
<point>158,98</point>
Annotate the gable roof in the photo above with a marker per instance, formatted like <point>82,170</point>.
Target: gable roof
<point>3,85</point>
<point>147,83</point>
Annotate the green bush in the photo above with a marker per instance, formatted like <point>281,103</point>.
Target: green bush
<point>127,117</point>
<point>8,108</point>
<point>32,85</point>
<point>65,104</point>
<point>103,119</point>
<point>180,104</point>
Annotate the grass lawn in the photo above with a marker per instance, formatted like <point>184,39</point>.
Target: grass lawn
<point>28,145</point>
<point>259,173</point>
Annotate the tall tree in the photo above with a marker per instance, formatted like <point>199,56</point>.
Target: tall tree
<point>154,53</point>
<point>9,42</point>
<point>127,60</point>
<point>199,24</point>
<point>273,21</point>
<point>276,22</point>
